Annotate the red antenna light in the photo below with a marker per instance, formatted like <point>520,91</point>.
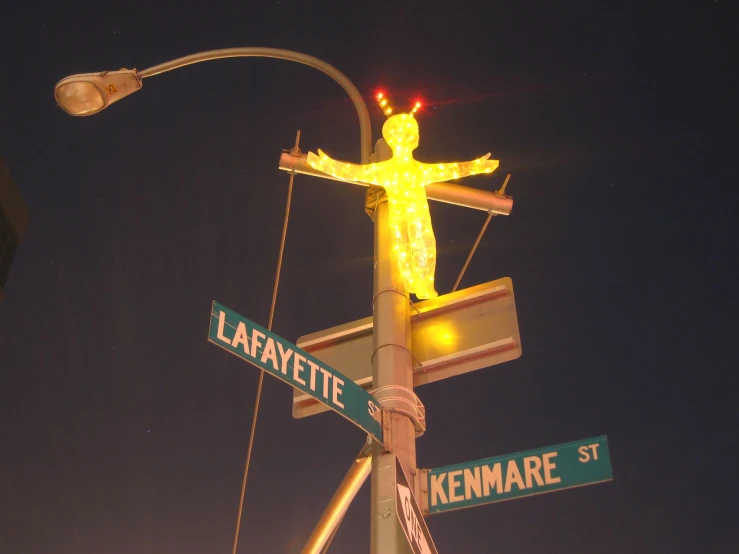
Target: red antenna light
<point>382,100</point>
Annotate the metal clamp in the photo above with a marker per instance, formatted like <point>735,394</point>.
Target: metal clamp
<point>372,358</point>
<point>398,399</point>
<point>400,292</point>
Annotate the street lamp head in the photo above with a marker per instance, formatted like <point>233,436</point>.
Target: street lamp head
<point>88,93</point>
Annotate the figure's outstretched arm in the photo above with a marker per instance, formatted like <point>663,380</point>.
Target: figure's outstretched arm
<point>342,170</point>
<point>455,170</point>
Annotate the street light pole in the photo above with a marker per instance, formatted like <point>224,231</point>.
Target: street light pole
<point>87,94</point>
<point>365,126</point>
<point>392,374</point>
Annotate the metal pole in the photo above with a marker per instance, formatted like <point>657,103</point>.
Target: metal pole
<point>392,368</point>
<point>365,126</point>
<point>450,193</point>
<point>334,512</point>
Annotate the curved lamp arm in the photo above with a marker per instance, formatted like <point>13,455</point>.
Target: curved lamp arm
<point>89,93</point>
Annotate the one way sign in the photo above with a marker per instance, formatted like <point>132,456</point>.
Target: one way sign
<point>410,516</point>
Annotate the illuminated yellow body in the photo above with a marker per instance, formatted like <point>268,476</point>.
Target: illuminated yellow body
<point>404,179</point>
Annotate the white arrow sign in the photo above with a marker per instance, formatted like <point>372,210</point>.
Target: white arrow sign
<point>410,516</point>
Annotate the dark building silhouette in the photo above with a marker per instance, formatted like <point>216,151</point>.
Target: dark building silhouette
<point>13,223</point>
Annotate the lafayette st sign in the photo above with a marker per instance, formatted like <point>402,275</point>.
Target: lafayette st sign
<point>282,359</point>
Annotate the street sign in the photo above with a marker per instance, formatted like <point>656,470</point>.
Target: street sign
<point>559,467</point>
<point>451,334</point>
<point>409,514</point>
<point>278,357</point>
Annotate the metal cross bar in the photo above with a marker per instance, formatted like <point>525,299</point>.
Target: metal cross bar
<point>449,193</point>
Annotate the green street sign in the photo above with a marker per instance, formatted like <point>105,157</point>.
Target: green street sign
<point>559,467</point>
<point>287,362</point>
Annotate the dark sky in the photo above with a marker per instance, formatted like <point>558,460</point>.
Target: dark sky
<point>122,430</point>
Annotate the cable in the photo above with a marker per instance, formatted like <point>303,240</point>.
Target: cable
<point>261,372</point>
<point>501,192</point>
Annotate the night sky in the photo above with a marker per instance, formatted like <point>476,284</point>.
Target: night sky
<point>122,430</point>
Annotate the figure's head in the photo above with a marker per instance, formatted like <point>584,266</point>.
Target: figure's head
<point>401,133</point>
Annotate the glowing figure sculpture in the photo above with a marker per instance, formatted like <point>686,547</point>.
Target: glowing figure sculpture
<point>404,179</point>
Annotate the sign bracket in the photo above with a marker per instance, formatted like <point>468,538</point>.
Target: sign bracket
<point>398,399</point>
<point>387,429</point>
